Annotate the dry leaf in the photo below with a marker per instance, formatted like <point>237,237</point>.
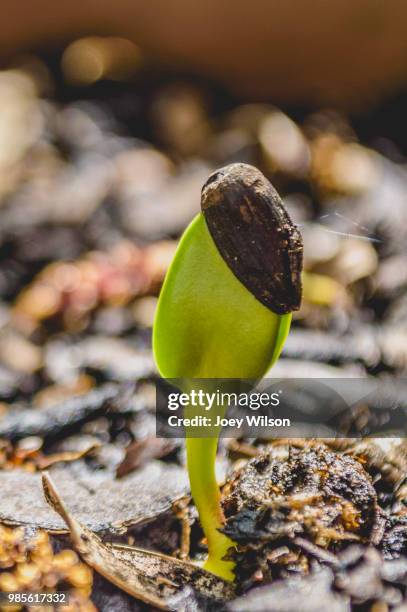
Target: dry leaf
<point>152,577</point>
<point>100,503</point>
<point>140,452</point>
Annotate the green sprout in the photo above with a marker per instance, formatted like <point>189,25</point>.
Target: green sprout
<point>224,311</point>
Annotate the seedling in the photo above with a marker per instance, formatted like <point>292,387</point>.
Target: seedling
<point>225,310</point>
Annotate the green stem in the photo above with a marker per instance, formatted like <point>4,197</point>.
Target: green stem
<point>201,460</point>
<point>201,457</point>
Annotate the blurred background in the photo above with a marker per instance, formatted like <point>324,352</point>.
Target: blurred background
<point>112,117</point>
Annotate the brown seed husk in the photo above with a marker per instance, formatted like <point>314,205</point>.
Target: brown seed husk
<point>254,234</point>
